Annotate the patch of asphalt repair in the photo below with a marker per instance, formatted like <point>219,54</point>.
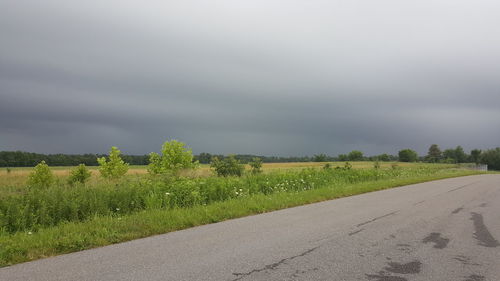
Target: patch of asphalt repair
<point>413,267</point>
<point>474,277</point>
<point>272,266</point>
<point>482,234</point>
<point>457,210</point>
<point>435,237</point>
<point>377,218</point>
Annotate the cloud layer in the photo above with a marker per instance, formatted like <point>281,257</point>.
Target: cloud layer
<point>263,77</point>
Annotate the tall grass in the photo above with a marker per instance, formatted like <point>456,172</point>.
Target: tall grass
<point>60,203</point>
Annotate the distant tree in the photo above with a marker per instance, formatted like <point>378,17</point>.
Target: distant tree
<point>407,155</point>
<point>460,155</point>
<point>355,155</point>
<point>343,157</point>
<point>41,176</point>
<point>229,166</point>
<point>384,157</point>
<point>475,155</point>
<point>256,165</point>
<point>491,157</point>
<point>434,154</point>
<point>114,167</point>
<point>320,158</point>
<point>204,158</point>
<point>175,156</point>
<point>449,155</point>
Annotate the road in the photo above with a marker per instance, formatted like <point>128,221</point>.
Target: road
<point>441,230</point>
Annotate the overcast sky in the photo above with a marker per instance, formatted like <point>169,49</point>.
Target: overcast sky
<point>262,77</point>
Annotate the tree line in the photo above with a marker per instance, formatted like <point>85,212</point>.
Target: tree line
<point>491,157</point>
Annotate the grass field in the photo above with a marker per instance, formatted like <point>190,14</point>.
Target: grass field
<point>36,223</point>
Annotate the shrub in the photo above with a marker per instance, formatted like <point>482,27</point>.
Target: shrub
<point>41,177</point>
<point>79,174</point>
<point>491,157</point>
<point>8,170</point>
<point>327,166</point>
<point>113,168</point>
<point>376,165</point>
<point>407,155</point>
<point>256,165</point>
<point>229,166</point>
<point>355,155</point>
<point>174,157</point>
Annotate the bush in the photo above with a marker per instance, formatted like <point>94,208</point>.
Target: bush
<point>115,167</point>
<point>41,177</point>
<point>491,157</point>
<point>376,165</point>
<point>256,165</point>
<point>407,155</point>
<point>355,155</point>
<point>229,166</point>
<point>174,157</point>
<point>79,174</point>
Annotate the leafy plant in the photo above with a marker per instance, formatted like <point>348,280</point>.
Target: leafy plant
<point>407,155</point>
<point>41,177</point>
<point>174,157</point>
<point>8,170</point>
<point>229,166</point>
<point>113,168</point>
<point>327,166</point>
<point>376,165</point>
<point>79,174</point>
<point>256,165</point>
<point>355,155</point>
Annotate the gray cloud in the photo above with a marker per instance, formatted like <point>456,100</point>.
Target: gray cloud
<point>264,77</point>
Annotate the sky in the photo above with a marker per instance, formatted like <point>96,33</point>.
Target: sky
<point>264,77</point>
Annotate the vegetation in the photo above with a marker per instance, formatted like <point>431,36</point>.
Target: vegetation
<point>41,177</point>
<point>491,157</point>
<point>355,155</point>
<point>229,166</point>
<point>434,154</point>
<point>175,156</point>
<point>407,155</point>
<point>256,165</point>
<point>113,168</point>
<point>61,218</point>
<point>79,174</point>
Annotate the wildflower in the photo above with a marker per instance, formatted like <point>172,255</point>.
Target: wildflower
<point>29,232</point>
<point>118,209</point>
<point>167,193</point>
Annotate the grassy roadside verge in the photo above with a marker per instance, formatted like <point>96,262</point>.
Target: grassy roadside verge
<point>105,230</point>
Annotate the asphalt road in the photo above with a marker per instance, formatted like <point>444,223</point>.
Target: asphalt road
<point>442,230</point>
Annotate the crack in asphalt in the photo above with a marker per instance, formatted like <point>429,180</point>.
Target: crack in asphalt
<point>356,232</point>
<point>460,187</point>
<point>457,210</point>
<point>377,218</point>
<point>404,268</point>
<point>474,277</point>
<point>272,266</point>
<point>482,234</point>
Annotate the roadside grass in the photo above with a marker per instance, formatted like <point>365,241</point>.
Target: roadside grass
<point>101,230</point>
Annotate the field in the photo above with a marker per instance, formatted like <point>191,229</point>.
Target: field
<point>36,223</point>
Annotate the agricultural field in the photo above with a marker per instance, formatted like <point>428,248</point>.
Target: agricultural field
<point>62,218</point>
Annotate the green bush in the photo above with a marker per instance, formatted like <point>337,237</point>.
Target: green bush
<point>174,157</point>
<point>491,157</point>
<point>407,155</point>
<point>113,168</point>
<point>256,165</point>
<point>79,174</point>
<point>41,176</point>
<point>229,166</point>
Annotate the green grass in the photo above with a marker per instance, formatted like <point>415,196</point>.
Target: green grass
<point>199,201</point>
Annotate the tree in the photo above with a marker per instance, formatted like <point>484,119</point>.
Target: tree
<point>204,158</point>
<point>320,158</point>
<point>256,165</point>
<point>343,157</point>
<point>449,155</point>
<point>113,168</point>
<point>175,156</point>
<point>229,166</point>
<point>79,174</point>
<point>384,157</point>
<point>475,155</point>
<point>355,155</point>
<point>460,155</point>
<point>491,157</point>
<point>41,176</point>
<point>407,155</point>
<point>434,154</point>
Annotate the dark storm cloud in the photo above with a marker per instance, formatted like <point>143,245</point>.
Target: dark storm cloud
<point>265,77</point>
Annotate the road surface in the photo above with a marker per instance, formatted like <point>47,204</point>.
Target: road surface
<point>442,230</point>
